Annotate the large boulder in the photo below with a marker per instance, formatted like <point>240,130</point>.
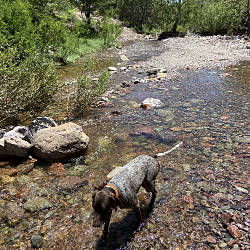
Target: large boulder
<point>60,142</point>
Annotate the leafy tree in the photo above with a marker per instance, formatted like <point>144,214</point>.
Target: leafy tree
<point>141,13</point>
<point>87,7</point>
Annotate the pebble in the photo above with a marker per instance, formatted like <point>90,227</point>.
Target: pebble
<point>240,189</point>
<point>223,244</point>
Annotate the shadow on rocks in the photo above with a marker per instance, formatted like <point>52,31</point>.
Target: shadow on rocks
<point>120,233</point>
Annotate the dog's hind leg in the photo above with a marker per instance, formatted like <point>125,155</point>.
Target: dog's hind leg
<point>150,187</point>
<point>136,206</point>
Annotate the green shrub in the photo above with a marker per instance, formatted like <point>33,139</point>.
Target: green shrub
<point>88,90</point>
<point>27,86</point>
<point>110,32</point>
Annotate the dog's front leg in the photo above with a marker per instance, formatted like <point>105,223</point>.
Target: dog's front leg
<point>106,226</point>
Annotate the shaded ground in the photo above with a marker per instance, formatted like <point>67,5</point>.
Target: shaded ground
<point>203,187</point>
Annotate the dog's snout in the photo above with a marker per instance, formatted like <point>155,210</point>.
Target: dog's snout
<point>97,221</point>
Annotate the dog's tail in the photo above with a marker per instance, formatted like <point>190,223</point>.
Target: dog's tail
<point>169,151</point>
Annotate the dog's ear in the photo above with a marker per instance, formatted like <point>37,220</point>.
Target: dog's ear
<point>112,202</point>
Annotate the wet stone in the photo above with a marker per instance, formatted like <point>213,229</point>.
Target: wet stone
<point>37,204</point>
<point>13,213</point>
<point>56,169</point>
<point>234,231</point>
<point>223,244</point>
<point>71,183</point>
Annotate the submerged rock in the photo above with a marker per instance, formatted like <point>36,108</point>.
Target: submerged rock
<point>13,213</point>
<point>60,142</point>
<point>151,102</point>
<point>71,183</point>
<point>36,241</point>
<point>37,204</point>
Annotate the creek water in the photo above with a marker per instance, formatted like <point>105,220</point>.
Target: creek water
<point>208,110</point>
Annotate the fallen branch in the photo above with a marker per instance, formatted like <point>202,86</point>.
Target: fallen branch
<point>169,151</point>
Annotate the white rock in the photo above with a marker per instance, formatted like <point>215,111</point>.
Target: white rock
<point>112,68</point>
<point>152,102</point>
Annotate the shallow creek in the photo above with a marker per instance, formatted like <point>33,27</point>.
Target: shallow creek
<point>208,177</point>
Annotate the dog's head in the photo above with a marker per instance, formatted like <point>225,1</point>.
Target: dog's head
<point>102,203</point>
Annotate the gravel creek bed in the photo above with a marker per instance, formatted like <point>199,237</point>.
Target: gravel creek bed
<point>203,187</point>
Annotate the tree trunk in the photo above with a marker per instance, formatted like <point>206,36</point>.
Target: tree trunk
<point>248,17</point>
<point>87,14</point>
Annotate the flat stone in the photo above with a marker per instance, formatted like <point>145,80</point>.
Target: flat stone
<point>234,231</point>
<point>71,183</point>
<point>211,239</point>
<point>37,204</point>
<point>56,169</point>
<point>223,244</point>
<point>161,75</point>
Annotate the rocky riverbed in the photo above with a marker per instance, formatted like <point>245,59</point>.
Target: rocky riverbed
<point>203,187</point>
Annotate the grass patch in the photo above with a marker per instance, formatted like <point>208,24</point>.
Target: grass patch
<point>86,46</point>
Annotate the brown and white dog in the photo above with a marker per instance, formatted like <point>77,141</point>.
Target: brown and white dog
<point>121,191</point>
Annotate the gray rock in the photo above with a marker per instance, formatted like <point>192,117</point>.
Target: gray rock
<point>41,123</point>
<point>37,204</point>
<point>36,240</point>
<point>21,132</point>
<point>14,146</point>
<point>60,142</point>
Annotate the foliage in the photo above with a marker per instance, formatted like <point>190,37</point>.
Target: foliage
<point>88,89</point>
<point>27,86</point>
<point>214,17</point>
<point>110,31</point>
<point>206,17</point>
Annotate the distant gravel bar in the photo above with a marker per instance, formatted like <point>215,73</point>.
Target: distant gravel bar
<point>191,52</point>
